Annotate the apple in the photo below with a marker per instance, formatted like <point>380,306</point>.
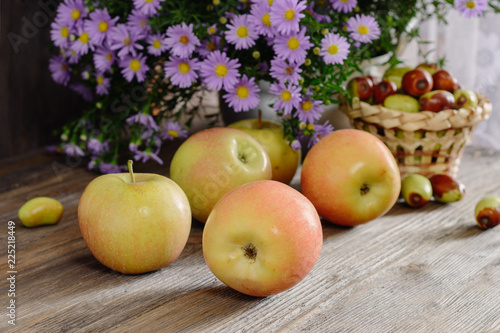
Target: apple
<point>214,161</point>
<point>444,80</point>
<point>416,190</point>
<point>395,74</point>
<point>465,98</point>
<point>432,68</point>
<point>437,100</point>
<point>417,82</point>
<point>382,90</point>
<point>284,159</point>
<point>40,211</point>
<point>446,188</point>
<point>402,102</point>
<point>361,87</point>
<point>487,211</point>
<point>134,223</point>
<point>262,238</point>
<point>351,177</point>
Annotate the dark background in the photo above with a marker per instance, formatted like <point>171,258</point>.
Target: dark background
<point>31,104</point>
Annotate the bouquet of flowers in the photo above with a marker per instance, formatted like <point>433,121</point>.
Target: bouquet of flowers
<point>144,65</point>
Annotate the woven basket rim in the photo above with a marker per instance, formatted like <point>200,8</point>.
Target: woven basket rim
<point>422,120</point>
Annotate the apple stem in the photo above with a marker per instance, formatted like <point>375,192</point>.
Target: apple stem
<point>259,119</point>
<point>131,170</point>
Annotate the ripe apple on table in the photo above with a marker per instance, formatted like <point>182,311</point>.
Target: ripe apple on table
<point>262,238</point>
<point>214,161</point>
<point>284,159</point>
<point>134,223</point>
<point>351,177</point>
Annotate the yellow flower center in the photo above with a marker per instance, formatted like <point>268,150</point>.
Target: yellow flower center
<point>99,79</point>
<point>289,70</point>
<point>242,32</point>
<point>135,65</point>
<point>242,92</point>
<point>293,43</point>
<point>75,14</point>
<point>184,39</point>
<point>310,127</point>
<point>470,4</point>
<point>286,96</point>
<point>156,44</point>
<point>173,133</point>
<point>127,41</point>
<point>266,19</point>
<point>307,106</point>
<point>184,67</point>
<point>221,70</point>
<point>148,1</point>
<point>270,2</point>
<point>344,1</point>
<point>84,38</point>
<point>211,30</point>
<point>289,14</point>
<point>363,29</point>
<point>109,56</point>
<point>64,32</point>
<point>333,49</point>
<point>103,26</point>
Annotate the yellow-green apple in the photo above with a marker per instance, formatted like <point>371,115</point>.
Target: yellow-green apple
<point>437,100</point>
<point>262,238</point>
<point>40,211</point>
<point>487,211</point>
<point>134,223</point>
<point>284,159</point>
<point>214,161</point>
<point>465,98</point>
<point>351,177</point>
<point>402,102</point>
<point>395,74</point>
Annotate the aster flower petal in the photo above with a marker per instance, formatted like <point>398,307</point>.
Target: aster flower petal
<point>285,15</point>
<point>182,71</point>
<point>344,6</point>
<point>219,71</point>
<point>181,40</point>
<point>363,28</point>
<point>293,46</point>
<point>334,48</point>
<point>241,32</point>
<point>244,96</point>
<point>471,8</point>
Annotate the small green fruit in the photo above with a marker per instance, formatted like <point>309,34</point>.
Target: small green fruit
<point>396,74</point>
<point>402,102</point>
<point>446,189</point>
<point>416,190</point>
<point>487,211</point>
<point>40,211</point>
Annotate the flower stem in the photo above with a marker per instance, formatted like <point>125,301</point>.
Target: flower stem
<point>131,170</point>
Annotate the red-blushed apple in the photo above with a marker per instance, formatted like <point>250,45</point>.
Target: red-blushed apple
<point>382,90</point>
<point>402,102</point>
<point>444,80</point>
<point>361,87</point>
<point>465,98</point>
<point>134,223</point>
<point>351,177</point>
<point>284,159</point>
<point>262,238</point>
<point>437,100</point>
<point>395,74</point>
<point>417,82</point>
<point>487,211</point>
<point>214,161</point>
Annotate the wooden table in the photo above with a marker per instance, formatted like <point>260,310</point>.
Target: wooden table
<point>413,270</point>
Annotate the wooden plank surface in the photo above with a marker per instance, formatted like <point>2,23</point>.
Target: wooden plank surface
<point>413,270</point>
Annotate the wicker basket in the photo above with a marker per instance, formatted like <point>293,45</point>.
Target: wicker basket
<point>424,142</point>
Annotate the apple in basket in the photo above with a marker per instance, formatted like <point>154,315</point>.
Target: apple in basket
<point>351,177</point>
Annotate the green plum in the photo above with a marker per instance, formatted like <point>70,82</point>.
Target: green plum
<point>487,212</point>
<point>416,190</point>
<point>396,74</point>
<point>402,102</point>
<point>446,189</point>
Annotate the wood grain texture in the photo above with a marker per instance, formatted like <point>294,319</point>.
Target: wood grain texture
<point>413,270</point>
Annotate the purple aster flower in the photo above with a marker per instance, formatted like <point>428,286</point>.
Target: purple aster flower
<point>172,130</point>
<point>244,95</point>
<point>111,167</point>
<point>60,33</point>
<point>296,145</point>
<point>181,40</point>
<point>83,43</point>
<point>103,59</point>
<point>134,66</point>
<point>345,6</point>
<point>146,120</point>
<point>363,28</point>
<point>293,46</point>
<point>211,30</point>
<point>97,147</point>
<point>241,32</point>
<point>72,150</point>
<point>288,97</point>
<point>471,8</point>
<point>60,70</point>
<point>286,15</point>
<point>320,131</point>
<point>139,23</point>
<point>99,25</point>
<point>260,13</point>
<point>321,18</point>
<point>157,44</point>
<point>309,110</point>
<point>208,46</point>
<point>147,155</point>
<point>72,56</point>
<point>218,71</point>
<point>148,7</point>
<point>334,48</point>
<point>103,84</point>
<point>181,71</point>
<point>282,71</point>
<point>81,89</point>
<point>71,11</point>
<point>124,40</point>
